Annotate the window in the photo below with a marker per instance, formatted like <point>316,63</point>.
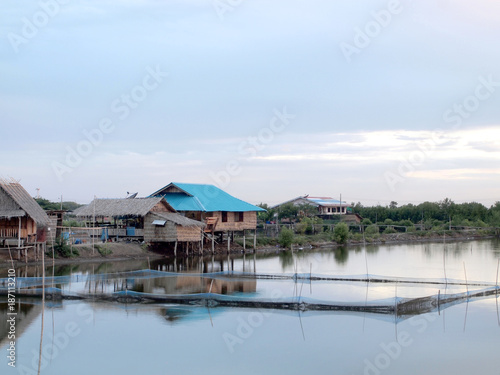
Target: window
<point>238,216</point>
<point>224,216</point>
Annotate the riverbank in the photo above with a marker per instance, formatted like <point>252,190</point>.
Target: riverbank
<point>121,251</point>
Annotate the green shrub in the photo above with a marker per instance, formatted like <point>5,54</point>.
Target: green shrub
<point>389,230</point>
<point>61,248</point>
<point>103,250</point>
<point>285,238</point>
<point>357,236</point>
<point>371,229</point>
<point>341,233</point>
<point>406,223</point>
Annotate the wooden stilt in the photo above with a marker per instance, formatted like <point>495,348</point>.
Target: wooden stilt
<point>254,240</point>
<point>175,249</point>
<point>228,242</point>
<point>19,234</point>
<point>201,243</point>
<point>213,243</point>
<point>244,242</point>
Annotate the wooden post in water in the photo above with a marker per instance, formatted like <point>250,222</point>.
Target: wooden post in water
<point>255,240</point>
<point>213,243</point>
<point>466,284</point>
<point>201,243</point>
<point>175,249</point>
<point>228,242</point>
<point>498,264</point>
<point>244,242</point>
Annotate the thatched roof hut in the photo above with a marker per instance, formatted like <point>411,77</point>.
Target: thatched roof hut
<point>154,219</point>
<point>16,202</point>
<point>171,227</point>
<point>137,207</point>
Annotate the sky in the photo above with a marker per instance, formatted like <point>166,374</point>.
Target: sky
<point>374,101</point>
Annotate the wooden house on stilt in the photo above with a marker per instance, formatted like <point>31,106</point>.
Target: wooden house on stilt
<point>151,220</point>
<point>218,209</point>
<point>23,223</point>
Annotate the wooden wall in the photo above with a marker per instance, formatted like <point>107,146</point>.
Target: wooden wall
<point>249,221</point>
<point>171,232</point>
<point>9,228</point>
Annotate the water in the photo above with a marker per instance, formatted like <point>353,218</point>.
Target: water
<point>82,337</point>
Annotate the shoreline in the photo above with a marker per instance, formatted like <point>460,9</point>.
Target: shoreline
<point>120,252</point>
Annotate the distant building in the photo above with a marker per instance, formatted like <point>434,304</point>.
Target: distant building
<point>201,202</point>
<point>326,206</point>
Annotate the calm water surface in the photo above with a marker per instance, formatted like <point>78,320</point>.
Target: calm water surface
<point>113,338</point>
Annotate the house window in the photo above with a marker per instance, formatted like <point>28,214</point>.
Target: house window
<point>224,216</point>
<point>238,217</point>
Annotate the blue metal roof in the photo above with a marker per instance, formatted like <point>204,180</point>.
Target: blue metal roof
<point>324,201</point>
<point>204,197</point>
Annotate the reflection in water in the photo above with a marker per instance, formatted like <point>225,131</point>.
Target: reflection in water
<point>26,314</point>
<point>286,260</point>
<point>341,255</point>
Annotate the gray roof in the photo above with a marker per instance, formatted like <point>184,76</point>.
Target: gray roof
<point>16,202</point>
<point>119,207</point>
<point>179,219</point>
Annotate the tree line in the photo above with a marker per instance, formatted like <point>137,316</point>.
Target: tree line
<point>444,211</point>
<point>429,213</point>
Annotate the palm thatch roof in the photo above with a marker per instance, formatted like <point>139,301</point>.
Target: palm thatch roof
<point>179,219</point>
<point>16,202</point>
<point>120,207</point>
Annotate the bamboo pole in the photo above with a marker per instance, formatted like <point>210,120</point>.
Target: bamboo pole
<point>466,284</point>
<point>254,240</point>
<point>19,234</point>
<point>498,265</point>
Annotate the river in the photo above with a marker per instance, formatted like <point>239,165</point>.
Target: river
<point>108,337</point>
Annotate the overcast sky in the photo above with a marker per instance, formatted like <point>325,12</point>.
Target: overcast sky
<point>269,100</point>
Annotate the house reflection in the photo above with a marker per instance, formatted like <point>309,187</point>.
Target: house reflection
<point>26,315</point>
<point>186,284</point>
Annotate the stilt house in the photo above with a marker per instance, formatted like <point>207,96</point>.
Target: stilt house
<point>22,220</point>
<point>202,202</point>
<point>148,219</point>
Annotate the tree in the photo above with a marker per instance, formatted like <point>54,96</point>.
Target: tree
<point>307,210</point>
<point>267,215</point>
<point>288,211</point>
<point>341,233</point>
<point>48,205</point>
<point>286,237</point>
